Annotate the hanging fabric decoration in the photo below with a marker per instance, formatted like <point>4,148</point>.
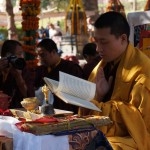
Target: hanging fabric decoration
<point>147,6</point>
<point>30,24</point>
<point>115,5</point>
<point>76,18</point>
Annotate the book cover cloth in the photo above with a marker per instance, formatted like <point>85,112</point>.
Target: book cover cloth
<point>51,125</point>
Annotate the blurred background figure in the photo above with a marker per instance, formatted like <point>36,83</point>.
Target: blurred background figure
<point>46,32</point>
<point>55,34</point>
<point>54,31</point>
<point>92,58</point>
<point>58,28</point>
<point>43,33</point>
<point>68,31</point>
<point>71,58</point>
<point>90,29</point>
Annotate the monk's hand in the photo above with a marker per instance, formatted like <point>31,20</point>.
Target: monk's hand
<point>102,85</point>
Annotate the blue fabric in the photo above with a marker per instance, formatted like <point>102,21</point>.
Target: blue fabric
<point>99,141</point>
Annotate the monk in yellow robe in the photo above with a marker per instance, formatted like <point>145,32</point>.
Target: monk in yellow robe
<point>122,80</point>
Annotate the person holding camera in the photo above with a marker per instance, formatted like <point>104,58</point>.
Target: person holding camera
<point>13,74</point>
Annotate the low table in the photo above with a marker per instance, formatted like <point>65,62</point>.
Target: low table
<point>6,143</point>
<point>27,141</point>
<point>77,141</point>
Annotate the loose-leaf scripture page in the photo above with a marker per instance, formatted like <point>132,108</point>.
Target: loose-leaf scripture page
<point>76,86</point>
<point>73,90</point>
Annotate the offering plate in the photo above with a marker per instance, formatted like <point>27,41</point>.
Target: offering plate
<point>31,116</point>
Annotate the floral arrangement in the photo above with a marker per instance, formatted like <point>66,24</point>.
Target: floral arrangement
<point>30,24</point>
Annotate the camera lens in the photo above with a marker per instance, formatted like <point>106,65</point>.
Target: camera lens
<point>18,63</point>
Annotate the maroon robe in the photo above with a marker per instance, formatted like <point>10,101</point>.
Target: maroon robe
<point>64,66</point>
<point>87,68</point>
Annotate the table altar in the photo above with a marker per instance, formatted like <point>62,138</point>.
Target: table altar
<point>17,140</point>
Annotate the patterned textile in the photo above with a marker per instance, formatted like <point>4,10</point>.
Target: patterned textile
<point>137,31</point>
<point>89,141</point>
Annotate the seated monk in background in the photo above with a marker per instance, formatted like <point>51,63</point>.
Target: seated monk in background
<point>122,85</point>
<point>50,64</point>
<point>92,58</point>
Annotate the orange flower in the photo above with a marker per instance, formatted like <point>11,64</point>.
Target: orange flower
<point>30,10</point>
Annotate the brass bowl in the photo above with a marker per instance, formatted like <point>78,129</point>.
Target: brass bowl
<point>30,103</point>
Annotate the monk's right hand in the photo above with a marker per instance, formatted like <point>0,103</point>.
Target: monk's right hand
<point>102,85</point>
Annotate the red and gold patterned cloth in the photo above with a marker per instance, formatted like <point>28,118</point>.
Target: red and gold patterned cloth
<point>69,124</point>
<point>5,112</point>
<point>79,141</point>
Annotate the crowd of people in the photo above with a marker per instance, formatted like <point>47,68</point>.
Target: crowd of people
<point>119,70</point>
<point>50,31</point>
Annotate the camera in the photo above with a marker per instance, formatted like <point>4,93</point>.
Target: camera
<point>18,63</point>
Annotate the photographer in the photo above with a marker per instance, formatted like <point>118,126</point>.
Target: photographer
<point>13,74</point>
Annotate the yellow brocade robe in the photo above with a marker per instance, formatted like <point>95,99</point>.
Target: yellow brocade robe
<point>129,106</point>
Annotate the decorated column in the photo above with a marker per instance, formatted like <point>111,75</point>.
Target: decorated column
<point>147,6</point>
<point>115,5</point>
<point>30,24</point>
<point>76,18</point>
<point>76,25</point>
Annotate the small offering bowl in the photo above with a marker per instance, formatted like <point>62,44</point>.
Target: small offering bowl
<point>30,103</point>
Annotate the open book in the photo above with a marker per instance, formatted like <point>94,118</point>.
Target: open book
<point>73,90</point>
